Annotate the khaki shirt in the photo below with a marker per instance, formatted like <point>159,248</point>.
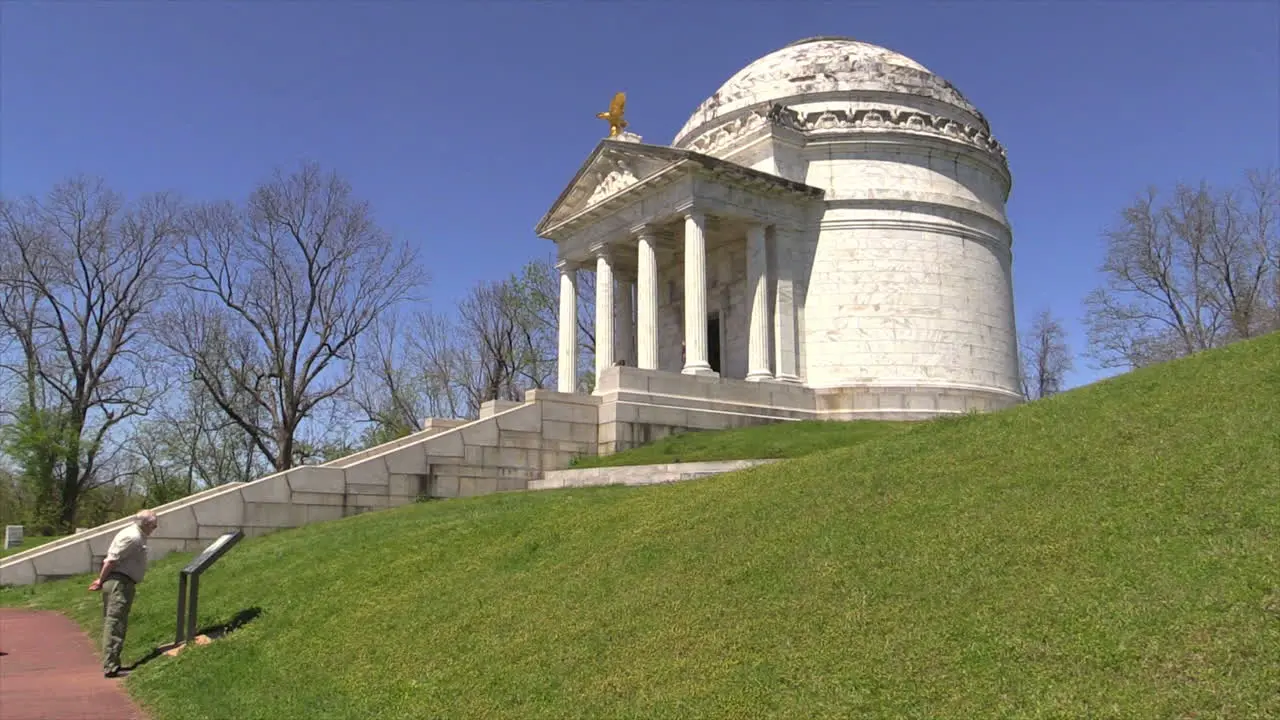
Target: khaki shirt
<point>129,552</point>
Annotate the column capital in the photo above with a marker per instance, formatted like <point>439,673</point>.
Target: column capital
<point>692,212</point>
<point>690,206</point>
<point>786,226</point>
<point>566,265</point>
<point>603,250</point>
<point>651,231</point>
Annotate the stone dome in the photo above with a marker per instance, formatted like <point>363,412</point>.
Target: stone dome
<point>827,68</point>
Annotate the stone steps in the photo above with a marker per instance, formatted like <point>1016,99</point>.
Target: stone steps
<point>506,449</point>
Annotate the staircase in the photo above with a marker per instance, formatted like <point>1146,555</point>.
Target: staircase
<point>505,449</point>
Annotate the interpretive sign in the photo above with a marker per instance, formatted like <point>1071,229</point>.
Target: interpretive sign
<point>213,552</point>
<point>191,575</point>
<point>12,536</point>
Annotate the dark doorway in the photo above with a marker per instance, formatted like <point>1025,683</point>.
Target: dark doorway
<point>713,341</point>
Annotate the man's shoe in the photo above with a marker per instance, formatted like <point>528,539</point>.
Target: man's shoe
<point>118,672</point>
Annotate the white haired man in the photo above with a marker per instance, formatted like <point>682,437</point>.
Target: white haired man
<point>122,570</point>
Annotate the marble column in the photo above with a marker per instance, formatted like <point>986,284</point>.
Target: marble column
<point>758,296</point>
<point>624,324</point>
<point>568,355</point>
<point>604,312</point>
<point>695,294</point>
<point>647,301</point>
<point>784,315</point>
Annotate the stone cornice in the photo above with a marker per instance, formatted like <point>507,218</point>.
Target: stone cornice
<point>690,165</point>
<point>756,181</point>
<point>972,215</point>
<point>1000,245</point>
<point>732,132</point>
<point>613,203</point>
<point>866,120</point>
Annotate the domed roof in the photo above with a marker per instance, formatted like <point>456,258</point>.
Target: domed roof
<point>819,65</point>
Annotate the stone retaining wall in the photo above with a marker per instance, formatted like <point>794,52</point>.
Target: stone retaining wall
<point>639,474</point>
<point>503,450</point>
<point>639,407</point>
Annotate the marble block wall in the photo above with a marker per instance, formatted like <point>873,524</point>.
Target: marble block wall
<point>907,281</point>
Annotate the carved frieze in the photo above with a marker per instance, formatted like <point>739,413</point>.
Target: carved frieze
<point>887,119</point>
<point>866,119</point>
<point>612,183</point>
<point>730,132</point>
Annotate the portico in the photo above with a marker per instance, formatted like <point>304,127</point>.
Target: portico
<point>693,261</point>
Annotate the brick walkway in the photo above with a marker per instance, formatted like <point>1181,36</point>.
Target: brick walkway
<point>50,671</point>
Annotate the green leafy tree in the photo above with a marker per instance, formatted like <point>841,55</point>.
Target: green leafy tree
<point>39,441</point>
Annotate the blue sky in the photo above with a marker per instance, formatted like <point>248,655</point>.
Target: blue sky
<point>462,121</point>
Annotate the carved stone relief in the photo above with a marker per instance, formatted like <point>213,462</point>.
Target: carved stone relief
<point>870,119</point>
<point>611,184</point>
<point>729,133</point>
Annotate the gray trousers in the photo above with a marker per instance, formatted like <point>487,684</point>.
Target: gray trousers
<point>117,600</point>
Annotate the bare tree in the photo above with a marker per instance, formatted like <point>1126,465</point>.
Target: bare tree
<point>512,328</point>
<point>490,321</point>
<point>443,365</point>
<point>1185,276</point>
<point>501,342</point>
<point>1046,358</point>
<point>1260,220</point>
<point>190,444</point>
<point>281,291</point>
<point>82,272</point>
<point>386,388</point>
<point>538,287</point>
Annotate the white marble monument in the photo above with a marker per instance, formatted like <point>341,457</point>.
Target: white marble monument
<point>831,221</point>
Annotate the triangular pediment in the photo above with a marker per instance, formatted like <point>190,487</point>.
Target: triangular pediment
<point>611,168</point>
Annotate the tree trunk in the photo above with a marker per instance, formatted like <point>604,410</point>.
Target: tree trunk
<point>284,447</point>
<point>70,500</point>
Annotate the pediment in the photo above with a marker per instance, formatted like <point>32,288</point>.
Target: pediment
<point>611,168</point>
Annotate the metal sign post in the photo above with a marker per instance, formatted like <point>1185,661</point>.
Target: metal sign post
<point>189,578</point>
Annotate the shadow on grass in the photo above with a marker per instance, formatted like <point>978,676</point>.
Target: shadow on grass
<point>213,632</point>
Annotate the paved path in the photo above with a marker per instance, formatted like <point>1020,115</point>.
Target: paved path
<point>49,670</point>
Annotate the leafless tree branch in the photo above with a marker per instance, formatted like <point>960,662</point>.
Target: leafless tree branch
<point>281,292</point>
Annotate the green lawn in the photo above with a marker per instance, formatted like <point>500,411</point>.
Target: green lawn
<point>31,541</point>
<point>1109,553</point>
<point>777,440</point>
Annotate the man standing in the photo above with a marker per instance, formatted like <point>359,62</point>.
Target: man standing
<point>122,570</point>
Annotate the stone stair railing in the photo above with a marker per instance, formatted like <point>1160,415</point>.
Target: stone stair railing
<point>505,449</point>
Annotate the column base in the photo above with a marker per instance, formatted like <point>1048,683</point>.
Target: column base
<point>700,370</point>
<point>787,379</point>
<point>760,376</point>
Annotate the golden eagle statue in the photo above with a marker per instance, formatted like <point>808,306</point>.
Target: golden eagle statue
<point>614,116</point>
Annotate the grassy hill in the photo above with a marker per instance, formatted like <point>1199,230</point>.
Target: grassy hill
<point>1110,552</point>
